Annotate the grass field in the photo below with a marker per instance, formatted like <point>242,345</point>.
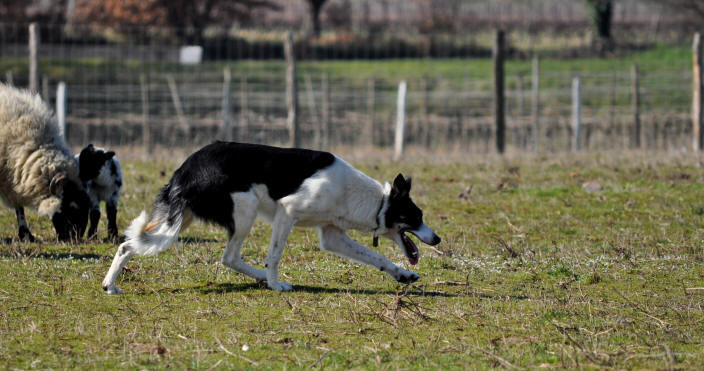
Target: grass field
<point>533,271</point>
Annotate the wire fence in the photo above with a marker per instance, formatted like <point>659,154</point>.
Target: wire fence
<point>135,91</point>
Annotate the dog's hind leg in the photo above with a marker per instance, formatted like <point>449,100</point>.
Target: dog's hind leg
<point>281,227</point>
<point>335,240</point>
<point>245,205</point>
<point>123,255</point>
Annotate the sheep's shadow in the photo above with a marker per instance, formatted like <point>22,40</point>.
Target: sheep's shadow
<point>34,254</point>
<point>33,250</point>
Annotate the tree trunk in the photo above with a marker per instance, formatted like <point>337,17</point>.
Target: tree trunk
<point>314,7</point>
<point>601,15</point>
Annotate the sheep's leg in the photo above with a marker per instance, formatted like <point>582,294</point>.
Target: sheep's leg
<point>24,233</point>
<point>94,220</point>
<point>111,210</point>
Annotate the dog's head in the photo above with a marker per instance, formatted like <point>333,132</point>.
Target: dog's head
<point>93,163</point>
<point>402,215</point>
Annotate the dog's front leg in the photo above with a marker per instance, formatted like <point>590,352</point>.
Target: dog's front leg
<point>281,227</point>
<point>335,240</point>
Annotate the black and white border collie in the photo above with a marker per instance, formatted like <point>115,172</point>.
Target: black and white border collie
<point>230,184</point>
<point>101,174</point>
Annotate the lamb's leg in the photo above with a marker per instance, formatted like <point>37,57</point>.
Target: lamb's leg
<point>24,233</point>
<point>94,220</point>
<point>111,210</point>
<point>338,242</point>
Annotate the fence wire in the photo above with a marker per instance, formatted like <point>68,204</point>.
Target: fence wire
<point>345,97</point>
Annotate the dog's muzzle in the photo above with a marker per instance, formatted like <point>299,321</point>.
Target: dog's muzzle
<point>425,234</point>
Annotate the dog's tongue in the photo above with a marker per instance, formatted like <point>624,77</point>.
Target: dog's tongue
<point>411,249</point>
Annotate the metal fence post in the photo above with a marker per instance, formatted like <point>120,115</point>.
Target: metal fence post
<point>576,114</point>
<point>535,108</point>
<point>146,129</point>
<point>226,106</point>
<point>499,93</point>
<point>291,91</point>
<point>697,134</point>
<point>61,108</point>
<point>636,107</point>
<point>34,58</point>
<point>400,121</point>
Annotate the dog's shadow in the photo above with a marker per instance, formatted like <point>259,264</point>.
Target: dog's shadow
<point>212,288</point>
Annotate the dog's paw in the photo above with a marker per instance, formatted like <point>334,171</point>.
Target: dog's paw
<point>406,277</point>
<point>280,286</point>
<point>112,290</point>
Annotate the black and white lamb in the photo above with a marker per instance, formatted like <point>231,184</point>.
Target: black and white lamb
<point>36,167</point>
<point>101,175</point>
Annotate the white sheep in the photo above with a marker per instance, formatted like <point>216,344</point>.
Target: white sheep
<point>36,167</point>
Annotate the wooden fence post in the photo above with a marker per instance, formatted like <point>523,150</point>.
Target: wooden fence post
<point>177,102</point>
<point>34,58</point>
<point>424,115</point>
<point>535,108</point>
<point>400,121</point>
<point>523,128</point>
<point>291,91</point>
<point>325,114</point>
<point>226,106</point>
<point>576,114</point>
<point>697,133</point>
<point>499,86</point>
<point>313,109</point>
<point>636,107</point>
<point>61,108</point>
<point>371,130</point>
<point>146,129</point>
<point>244,121</point>
<point>45,88</point>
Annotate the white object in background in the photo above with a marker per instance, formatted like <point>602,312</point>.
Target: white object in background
<point>61,108</point>
<point>191,54</point>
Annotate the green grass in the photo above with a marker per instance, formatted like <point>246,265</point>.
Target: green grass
<point>532,270</point>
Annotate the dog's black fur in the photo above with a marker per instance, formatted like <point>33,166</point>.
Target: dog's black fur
<point>208,177</point>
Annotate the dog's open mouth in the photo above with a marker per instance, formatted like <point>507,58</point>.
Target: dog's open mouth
<point>409,248</point>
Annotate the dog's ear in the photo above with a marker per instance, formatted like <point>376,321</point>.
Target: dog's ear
<point>401,186</point>
<point>109,155</point>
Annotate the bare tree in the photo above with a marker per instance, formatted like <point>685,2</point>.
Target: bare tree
<point>600,15</point>
<point>314,7</point>
<point>188,17</point>
<point>33,11</point>
<point>695,7</point>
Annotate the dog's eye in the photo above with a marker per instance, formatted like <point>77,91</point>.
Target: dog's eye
<point>74,205</point>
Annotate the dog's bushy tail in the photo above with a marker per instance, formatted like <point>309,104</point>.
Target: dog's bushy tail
<point>150,235</point>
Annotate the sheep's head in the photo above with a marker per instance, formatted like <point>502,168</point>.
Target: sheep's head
<point>71,218</point>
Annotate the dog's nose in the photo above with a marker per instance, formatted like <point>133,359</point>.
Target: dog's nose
<point>436,240</point>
